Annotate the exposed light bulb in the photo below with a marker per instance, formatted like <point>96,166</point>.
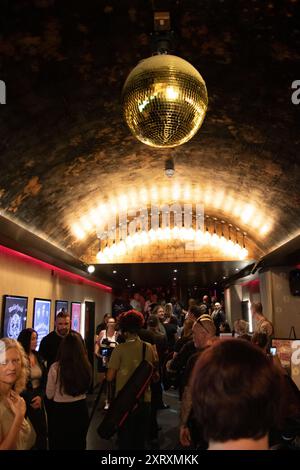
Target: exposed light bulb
<point>169,167</point>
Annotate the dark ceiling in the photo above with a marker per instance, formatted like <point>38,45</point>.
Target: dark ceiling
<point>204,275</point>
<point>63,142</point>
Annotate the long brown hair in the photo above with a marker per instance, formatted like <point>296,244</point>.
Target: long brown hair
<point>75,371</point>
<point>25,339</point>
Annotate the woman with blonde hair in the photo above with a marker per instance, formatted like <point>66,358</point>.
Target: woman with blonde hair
<point>241,327</point>
<point>16,432</point>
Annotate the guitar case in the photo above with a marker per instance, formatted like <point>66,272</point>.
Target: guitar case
<point>127,399</point>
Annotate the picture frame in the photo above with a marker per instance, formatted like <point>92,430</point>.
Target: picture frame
<point>14,315</point>
<point>41,318</point>
<point>60,305</point>
<point>75,316</point>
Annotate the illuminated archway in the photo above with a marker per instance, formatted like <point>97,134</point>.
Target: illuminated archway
<point>166,216</point>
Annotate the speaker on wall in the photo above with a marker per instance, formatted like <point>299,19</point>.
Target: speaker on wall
<point>295,281</point>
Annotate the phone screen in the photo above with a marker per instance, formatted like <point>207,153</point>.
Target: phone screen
<point>273,351</point>
<point>104,352</point>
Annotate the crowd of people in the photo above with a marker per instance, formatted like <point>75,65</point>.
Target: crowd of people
<point>179,338</point>
<point>233,394</point>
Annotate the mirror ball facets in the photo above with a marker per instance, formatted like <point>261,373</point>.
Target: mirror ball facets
<point>164,101</point>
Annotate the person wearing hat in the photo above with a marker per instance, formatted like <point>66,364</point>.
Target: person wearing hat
<point>177,365</point>
<point>204,335</point>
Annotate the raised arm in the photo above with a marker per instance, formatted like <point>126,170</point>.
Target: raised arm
<point>18,407</point>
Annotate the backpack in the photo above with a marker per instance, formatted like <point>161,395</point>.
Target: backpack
<point>127,399</point>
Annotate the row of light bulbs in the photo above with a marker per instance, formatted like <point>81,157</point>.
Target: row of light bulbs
<point>133,200</point>
<point>144,238</point>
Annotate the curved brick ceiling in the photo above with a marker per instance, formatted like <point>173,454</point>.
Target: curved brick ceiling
<point>64,145</point>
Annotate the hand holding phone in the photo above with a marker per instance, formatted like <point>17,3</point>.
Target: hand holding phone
<point>104,352</point>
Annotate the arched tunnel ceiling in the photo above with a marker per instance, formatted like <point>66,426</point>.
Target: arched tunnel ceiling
<point>63,142</point>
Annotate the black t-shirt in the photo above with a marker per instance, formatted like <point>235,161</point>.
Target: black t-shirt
<point>161,344</point>
<point>190,366</point>
<point>179,362</point>
<point>181,342</point>
<point>49,347</point>
<point>218,318</point>
<point>146,335</point>
<point>171,331</point>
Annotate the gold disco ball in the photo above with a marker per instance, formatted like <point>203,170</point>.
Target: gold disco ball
<point>164,101</point>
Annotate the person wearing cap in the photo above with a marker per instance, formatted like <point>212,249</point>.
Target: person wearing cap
<point>204,335</point>
<point>176,366</point>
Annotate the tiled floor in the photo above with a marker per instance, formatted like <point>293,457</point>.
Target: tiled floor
<point>167,420</point>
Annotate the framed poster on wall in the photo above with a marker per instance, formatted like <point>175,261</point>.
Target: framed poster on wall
<point>41,318</point>
<point>61,306</point>
<point>14,315</point>
<point>75,316</point>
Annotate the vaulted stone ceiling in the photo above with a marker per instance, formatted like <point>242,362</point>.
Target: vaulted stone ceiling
<point>64,146</point>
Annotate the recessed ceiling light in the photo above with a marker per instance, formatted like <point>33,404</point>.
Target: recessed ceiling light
<point>133,285</point>
<point>175,271</point>
<point>174,279</point>
<point>215,283</point>
<point>126,280</point>
<point>237,269</point>
<point>114,271</point>
<point>224,277</point>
